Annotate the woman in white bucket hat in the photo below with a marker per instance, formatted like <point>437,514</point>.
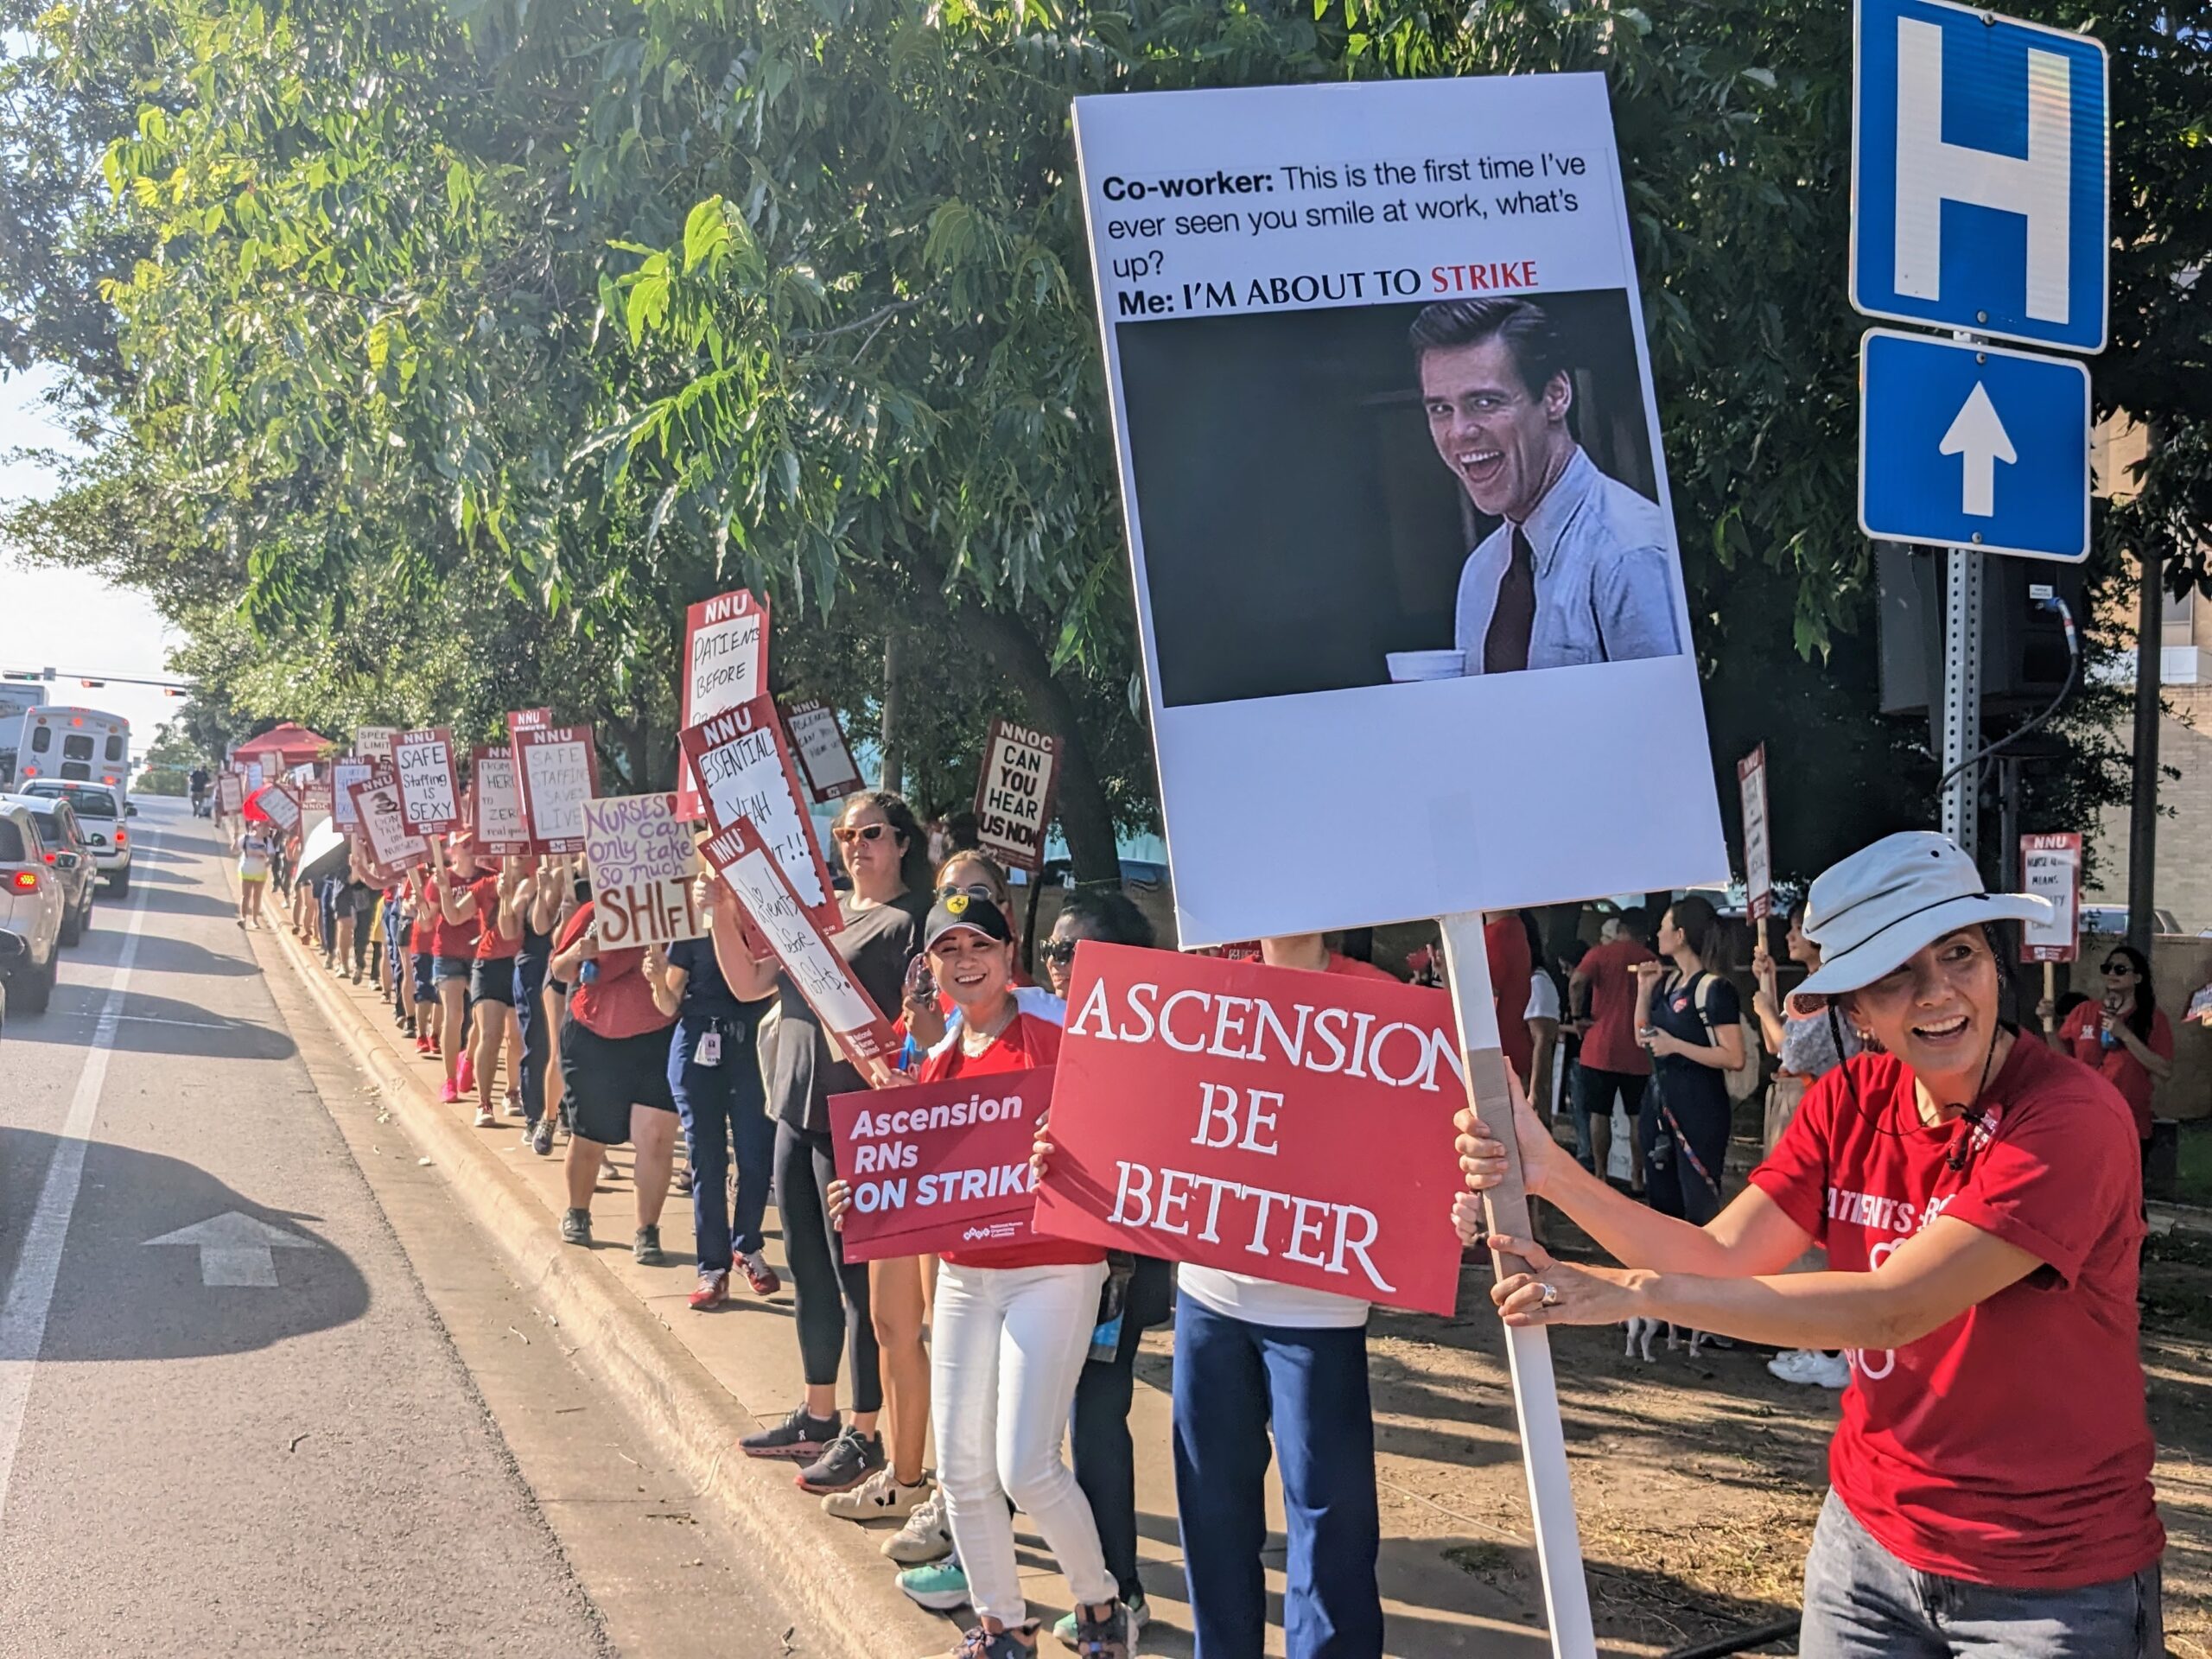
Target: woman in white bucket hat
<point>1979,1198</point>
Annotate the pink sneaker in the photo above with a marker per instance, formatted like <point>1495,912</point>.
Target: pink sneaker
<point>448,1094</point>
<point>466,1081</point>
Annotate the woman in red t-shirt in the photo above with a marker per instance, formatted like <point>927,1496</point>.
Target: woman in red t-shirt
<point>489,902</point>
<point>2126,1038</point>
<point>454,928</point>
<point>1010,1330</point>
<point>1979,1199</point>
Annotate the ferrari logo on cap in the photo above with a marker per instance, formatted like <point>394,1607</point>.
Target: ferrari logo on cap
<point>957,905</point>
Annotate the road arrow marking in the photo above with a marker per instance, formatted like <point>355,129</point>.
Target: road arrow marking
<point>235,1249</point>
<point>1978,434</point>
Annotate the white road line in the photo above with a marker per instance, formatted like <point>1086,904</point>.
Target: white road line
<point>30,1293</point>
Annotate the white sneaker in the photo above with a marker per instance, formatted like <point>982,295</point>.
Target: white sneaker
<point>924,1537</point>
<point>484,1120</point>
<point>879,1497</point>
<point>1809,1368</point>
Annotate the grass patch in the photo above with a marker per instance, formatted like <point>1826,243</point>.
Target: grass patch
<point>2195,1185</point>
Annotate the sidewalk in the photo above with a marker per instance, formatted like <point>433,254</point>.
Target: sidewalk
<point>1453,1582</point>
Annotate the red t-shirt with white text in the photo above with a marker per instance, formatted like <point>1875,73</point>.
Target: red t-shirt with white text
<point>451,938</point>
<point>492,945</point>
<point>2083,1034</point>
<point>1026,1043</point>
<point>2011,1446</point>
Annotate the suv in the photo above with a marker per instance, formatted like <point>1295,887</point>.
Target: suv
<point>2111,921</point>
<point>69,855</point>
<point>100,818</point>
<point>31,903</point>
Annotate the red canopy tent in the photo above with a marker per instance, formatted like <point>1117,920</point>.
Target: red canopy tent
<point>284,746</point>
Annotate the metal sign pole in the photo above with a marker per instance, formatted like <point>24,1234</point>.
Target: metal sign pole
<point>1961,691</point>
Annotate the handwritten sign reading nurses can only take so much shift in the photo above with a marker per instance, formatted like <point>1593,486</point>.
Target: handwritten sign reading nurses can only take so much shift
<point>640,853</point>
<point>1293,1126</point>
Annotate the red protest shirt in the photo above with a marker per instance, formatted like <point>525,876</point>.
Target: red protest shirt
<point>2083,1033</point>
<point>450,938</point>
<point>1027,1042</point>
<point>2009,1446</point>
<point>422,927</point>
<point>1505,942</point>
<point>617,1002</point>
<point>1609,1045</point>
<point>492,945</point>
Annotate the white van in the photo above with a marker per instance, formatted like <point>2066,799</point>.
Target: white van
<point>75,745</point>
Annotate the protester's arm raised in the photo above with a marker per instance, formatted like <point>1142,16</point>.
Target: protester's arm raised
<point>749,981</point>
<point>1750,1237</point>
<point>1930,1278</point>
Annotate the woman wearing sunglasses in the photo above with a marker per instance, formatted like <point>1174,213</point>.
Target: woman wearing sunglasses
<point>1979,1200</point>
<point>2125,1037</point>
<point>881,846</point>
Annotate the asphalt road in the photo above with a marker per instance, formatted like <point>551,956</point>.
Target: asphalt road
<point>322,1421</point>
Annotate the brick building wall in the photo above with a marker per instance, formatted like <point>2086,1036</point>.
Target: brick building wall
<point>2184,872</point>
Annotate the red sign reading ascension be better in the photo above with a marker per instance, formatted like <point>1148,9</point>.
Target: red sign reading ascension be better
<point>1296,1127</point>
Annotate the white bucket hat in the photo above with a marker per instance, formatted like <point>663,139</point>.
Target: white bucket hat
<point>1872,911</point>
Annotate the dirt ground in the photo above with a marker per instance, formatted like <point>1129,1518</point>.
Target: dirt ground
<point>1697,1481</point>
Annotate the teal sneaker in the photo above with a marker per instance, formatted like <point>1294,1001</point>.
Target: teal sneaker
<point>940,1586</point>
<point>1068,1629</point>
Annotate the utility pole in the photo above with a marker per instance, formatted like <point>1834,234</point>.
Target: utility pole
<point>1962,696</point>
<point>2143,808</point>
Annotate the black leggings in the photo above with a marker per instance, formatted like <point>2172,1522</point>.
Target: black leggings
<point>831,1294</point>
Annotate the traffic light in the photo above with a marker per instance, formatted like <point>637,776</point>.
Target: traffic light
<point>92,685</point>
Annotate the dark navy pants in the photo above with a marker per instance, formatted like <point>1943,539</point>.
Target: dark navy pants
<point>724,1109</point>
<point>537,1033</point>
<point>1231,1379</point>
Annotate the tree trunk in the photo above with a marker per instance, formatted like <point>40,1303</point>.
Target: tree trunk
<point>1086,820</point>
<point>895,771</point>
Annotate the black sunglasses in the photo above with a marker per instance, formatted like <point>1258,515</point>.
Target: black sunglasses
<point>2117,967</point>
<point>1059,953</point>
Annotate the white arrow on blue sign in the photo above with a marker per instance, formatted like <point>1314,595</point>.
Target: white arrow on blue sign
<point>1964,445</point>
<point>1978,174</point>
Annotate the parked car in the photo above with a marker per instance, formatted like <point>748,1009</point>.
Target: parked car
<point>101,813</point>
<point>69,855</point>
<point>31,903</point>
<point>2110,921</point>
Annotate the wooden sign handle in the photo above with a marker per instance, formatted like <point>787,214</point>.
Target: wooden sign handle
<point>1536,1390</point>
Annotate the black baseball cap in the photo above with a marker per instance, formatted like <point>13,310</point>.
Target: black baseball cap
<point>960,910</point>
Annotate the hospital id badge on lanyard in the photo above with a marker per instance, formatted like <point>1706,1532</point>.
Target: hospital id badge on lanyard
<point>709,1051</point>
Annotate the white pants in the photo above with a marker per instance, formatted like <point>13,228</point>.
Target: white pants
<point>1007,1346</point>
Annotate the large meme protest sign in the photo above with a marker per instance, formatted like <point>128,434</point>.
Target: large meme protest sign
<point>824,979</point>
<point>725,664</point>
<point>1293,1126</point>
<point>1014,798</point>
<point>559,769</point>
<point>429,795</point>
<point>744,767</point>
<point>1397,514</point>
<point>641,862</point>
<point>938,1165</point>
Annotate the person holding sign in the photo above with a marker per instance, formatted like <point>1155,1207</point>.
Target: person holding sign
<point>254,854</point>
<point>1979,1197</point>
<point>489,900</point>
<point>1010,1334</point>
<point>455,929</point>
<point>883,852</point>
<point>2125,1037</point>
<point>1579,570</point>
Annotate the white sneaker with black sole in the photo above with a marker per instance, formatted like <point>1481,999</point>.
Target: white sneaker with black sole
<point>926,1537</point>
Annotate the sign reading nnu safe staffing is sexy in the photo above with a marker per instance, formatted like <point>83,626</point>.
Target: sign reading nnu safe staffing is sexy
<point>1014,798</point>
<point>429,795</point>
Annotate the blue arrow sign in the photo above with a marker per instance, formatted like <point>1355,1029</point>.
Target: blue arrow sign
<point>1978,174</point>
<point>1973,446</point>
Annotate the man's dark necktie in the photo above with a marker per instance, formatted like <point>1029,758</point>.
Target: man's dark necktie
<point>1513,619</point>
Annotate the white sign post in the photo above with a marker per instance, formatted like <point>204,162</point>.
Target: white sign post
<point>1356,337</point>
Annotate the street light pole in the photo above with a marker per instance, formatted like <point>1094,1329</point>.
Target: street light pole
<point>2143,807</point>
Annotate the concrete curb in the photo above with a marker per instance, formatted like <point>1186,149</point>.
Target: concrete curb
<point>688,1418</point>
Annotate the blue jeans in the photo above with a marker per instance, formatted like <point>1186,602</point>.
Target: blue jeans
<point>723,1106</point>
<point>537,1033</point>
<point>1231,1379</point>
<point>1862,1602</point>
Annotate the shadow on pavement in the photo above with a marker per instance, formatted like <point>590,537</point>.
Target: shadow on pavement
<point>159,954</point>
<point>163,901</point>
<point>118,1299</point>
<point>151,1025</point>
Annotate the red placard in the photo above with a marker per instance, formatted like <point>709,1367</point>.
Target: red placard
<point>558,766</point>
<point>823,978</point>
<point>725,663</point>
<point>819,742</point>
<point>937,1166</point>
<point>743,768</point>
<point>496,815</point>
<point>376,809</point>
<point>1014,798</point>
<point>429,792</point>
<point>316,799</point>
<point>1293,1126</point>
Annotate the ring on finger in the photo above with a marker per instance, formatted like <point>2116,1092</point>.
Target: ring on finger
<point>1550,1297</point>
